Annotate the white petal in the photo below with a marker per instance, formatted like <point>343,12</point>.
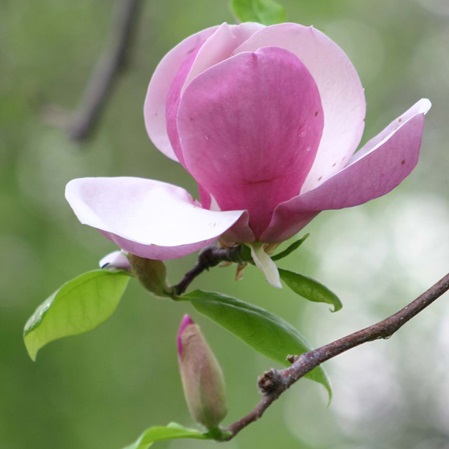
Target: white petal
<point>264,262</point>
<point>115,260</point>
<point>148,218</point>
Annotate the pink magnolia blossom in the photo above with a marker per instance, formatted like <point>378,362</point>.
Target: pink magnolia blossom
<point>267,121</point>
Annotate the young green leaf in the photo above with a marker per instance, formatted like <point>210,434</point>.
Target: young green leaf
<point>267,12</point>
<point>310,289</point>
<point>293,247</point>
<point>80,305</point>
<point>160,433</point>
<point>266,333</point>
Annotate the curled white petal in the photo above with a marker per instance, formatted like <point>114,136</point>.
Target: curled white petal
<point>264,262</point>
<point>116,260</point>
<point>148,218</point>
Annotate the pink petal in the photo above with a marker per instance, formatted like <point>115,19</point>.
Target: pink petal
<point>185,322</point>
<point>155,102</point>
<point>173,101</point>
<point>220,46</point>
<point>249,128</point>
<point>341,92</point>
<point>148,218</point>
<point>240,232</point>
<point>288,219</point>
<point>421,107</point>
<point>382,164</point>
<point>175,70</point>
<point>215,48</point>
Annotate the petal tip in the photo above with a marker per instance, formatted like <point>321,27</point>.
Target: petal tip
<point>116,260</point>
<point>185,322</point>
<point>424,105</point>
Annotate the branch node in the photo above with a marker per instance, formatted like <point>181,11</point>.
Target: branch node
<point>271,383</point>
<point>209,257</point>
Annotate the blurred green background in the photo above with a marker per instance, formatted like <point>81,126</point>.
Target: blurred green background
<point>102,389</point>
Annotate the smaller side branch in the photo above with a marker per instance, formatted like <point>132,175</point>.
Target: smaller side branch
<point>208,258</point>
<point>274,382</point>
<point>105,74</point>
<point>103,77</point>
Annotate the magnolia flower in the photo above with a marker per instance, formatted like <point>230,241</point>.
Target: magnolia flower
<point>267,120</point>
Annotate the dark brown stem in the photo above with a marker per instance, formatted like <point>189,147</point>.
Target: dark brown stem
<point>274,382</point>
<point>104,75</point>
<point>208,258</point>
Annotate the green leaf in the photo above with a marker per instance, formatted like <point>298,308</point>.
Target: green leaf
<point>267,12</point>
<point>310,289</point>
<point>293,247</point>
<point>160,433</point>
<point>266,333</point>
<point>80,305</point>
<point>245,251</point>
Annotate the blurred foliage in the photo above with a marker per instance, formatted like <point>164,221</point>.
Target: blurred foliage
<point>267,12</point>
<point>102,389</point>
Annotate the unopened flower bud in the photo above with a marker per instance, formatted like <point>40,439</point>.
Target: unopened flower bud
<point>151,273</point>
<point>201,376</point>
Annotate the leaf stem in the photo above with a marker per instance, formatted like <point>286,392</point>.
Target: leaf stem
<point>274,382</point>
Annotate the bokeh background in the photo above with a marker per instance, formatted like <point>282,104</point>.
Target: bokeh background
<point>102,389</point>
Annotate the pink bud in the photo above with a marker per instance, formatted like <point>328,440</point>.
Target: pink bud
<point>201,376</point>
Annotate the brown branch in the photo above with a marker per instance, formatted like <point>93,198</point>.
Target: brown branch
<point>103,77</point>
<point>209,257</point>
<point>274,382</point>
